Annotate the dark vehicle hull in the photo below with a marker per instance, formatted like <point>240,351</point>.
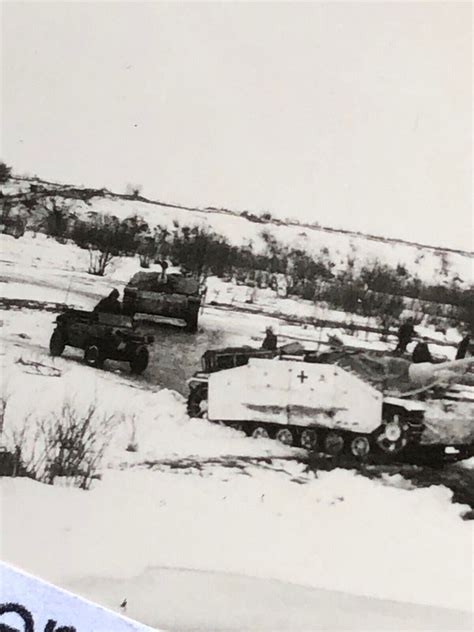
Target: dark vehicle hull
<point>161,304</point>
<point>174,297</point>
<point>102,337</point>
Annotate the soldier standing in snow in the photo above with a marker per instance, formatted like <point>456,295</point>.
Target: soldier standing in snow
<point>164,267</point>
<point>270,342</point>
<point>421,352</point>
<point>463,347</point>
<point>405,335</point>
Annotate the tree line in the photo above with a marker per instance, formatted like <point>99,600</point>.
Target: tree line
<point>369,288</point>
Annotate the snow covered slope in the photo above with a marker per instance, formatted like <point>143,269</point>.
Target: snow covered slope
<point>427,262</point>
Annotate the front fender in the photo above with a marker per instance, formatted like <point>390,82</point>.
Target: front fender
<point>409,405</point>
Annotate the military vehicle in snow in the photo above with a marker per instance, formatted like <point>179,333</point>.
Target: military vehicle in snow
<point>102,336</point>
<point>315,404</point>
<point>172,296</point>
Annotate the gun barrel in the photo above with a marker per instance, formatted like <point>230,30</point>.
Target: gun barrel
<point>425,372</point>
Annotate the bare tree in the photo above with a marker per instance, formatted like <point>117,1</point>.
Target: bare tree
<point>58,218</point>
<point>68,443</point>
<point>100,236</point>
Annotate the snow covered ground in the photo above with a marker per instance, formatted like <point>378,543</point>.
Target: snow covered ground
<point>227,601</point>
<point>153,418</point>
<point>41,269</point>
<point>337,530</point>
<point>191,495</point>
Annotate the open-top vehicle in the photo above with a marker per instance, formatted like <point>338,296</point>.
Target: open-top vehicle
<point>102,336</point>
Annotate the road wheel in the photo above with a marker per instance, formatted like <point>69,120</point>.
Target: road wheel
<point>285,436</point>
<point>238,427</point>
<point>360,446</point>
<point>140,360</point>
<point>391,439</point>
<point>56,343</point>
<point>260,433</point>
<point>93,356</point>
<point>308,439</point>
<point>333,443</point>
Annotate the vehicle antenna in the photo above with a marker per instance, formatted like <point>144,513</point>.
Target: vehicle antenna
<point>68,290</point>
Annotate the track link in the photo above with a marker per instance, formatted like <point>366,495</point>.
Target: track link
<point>337,445</point>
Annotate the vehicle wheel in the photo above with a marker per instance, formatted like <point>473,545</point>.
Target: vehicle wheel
<point>196,408</point>
<point>333,443</point>
<point>201,410</point>
<point>308,439</point>
<point>93,356</point>
<point>57,343</point>
<point>390,447</point>
<point>260,433</point>
<point>285,436</point>
<point>360,446</point>
<point>238,427</point>
<point>140,360</point>
<point>391,439</point>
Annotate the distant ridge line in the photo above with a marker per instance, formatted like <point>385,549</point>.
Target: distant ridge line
<point>223,211</point>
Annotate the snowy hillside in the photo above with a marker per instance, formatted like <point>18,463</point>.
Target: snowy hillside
<point>429,263</point>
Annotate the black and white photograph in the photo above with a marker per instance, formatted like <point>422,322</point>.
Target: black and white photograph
<point>237,316</point>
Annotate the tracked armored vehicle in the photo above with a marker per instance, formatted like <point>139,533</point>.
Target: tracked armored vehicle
<point>299,401</point>
<point>173,296</point>
<point>315,406</point>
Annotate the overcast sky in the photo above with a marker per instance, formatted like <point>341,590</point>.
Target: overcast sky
<point>354,115</point>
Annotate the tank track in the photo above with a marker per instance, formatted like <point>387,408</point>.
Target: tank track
<point>337,444</point>
<point>413,453</point>
<point>332,442</point>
